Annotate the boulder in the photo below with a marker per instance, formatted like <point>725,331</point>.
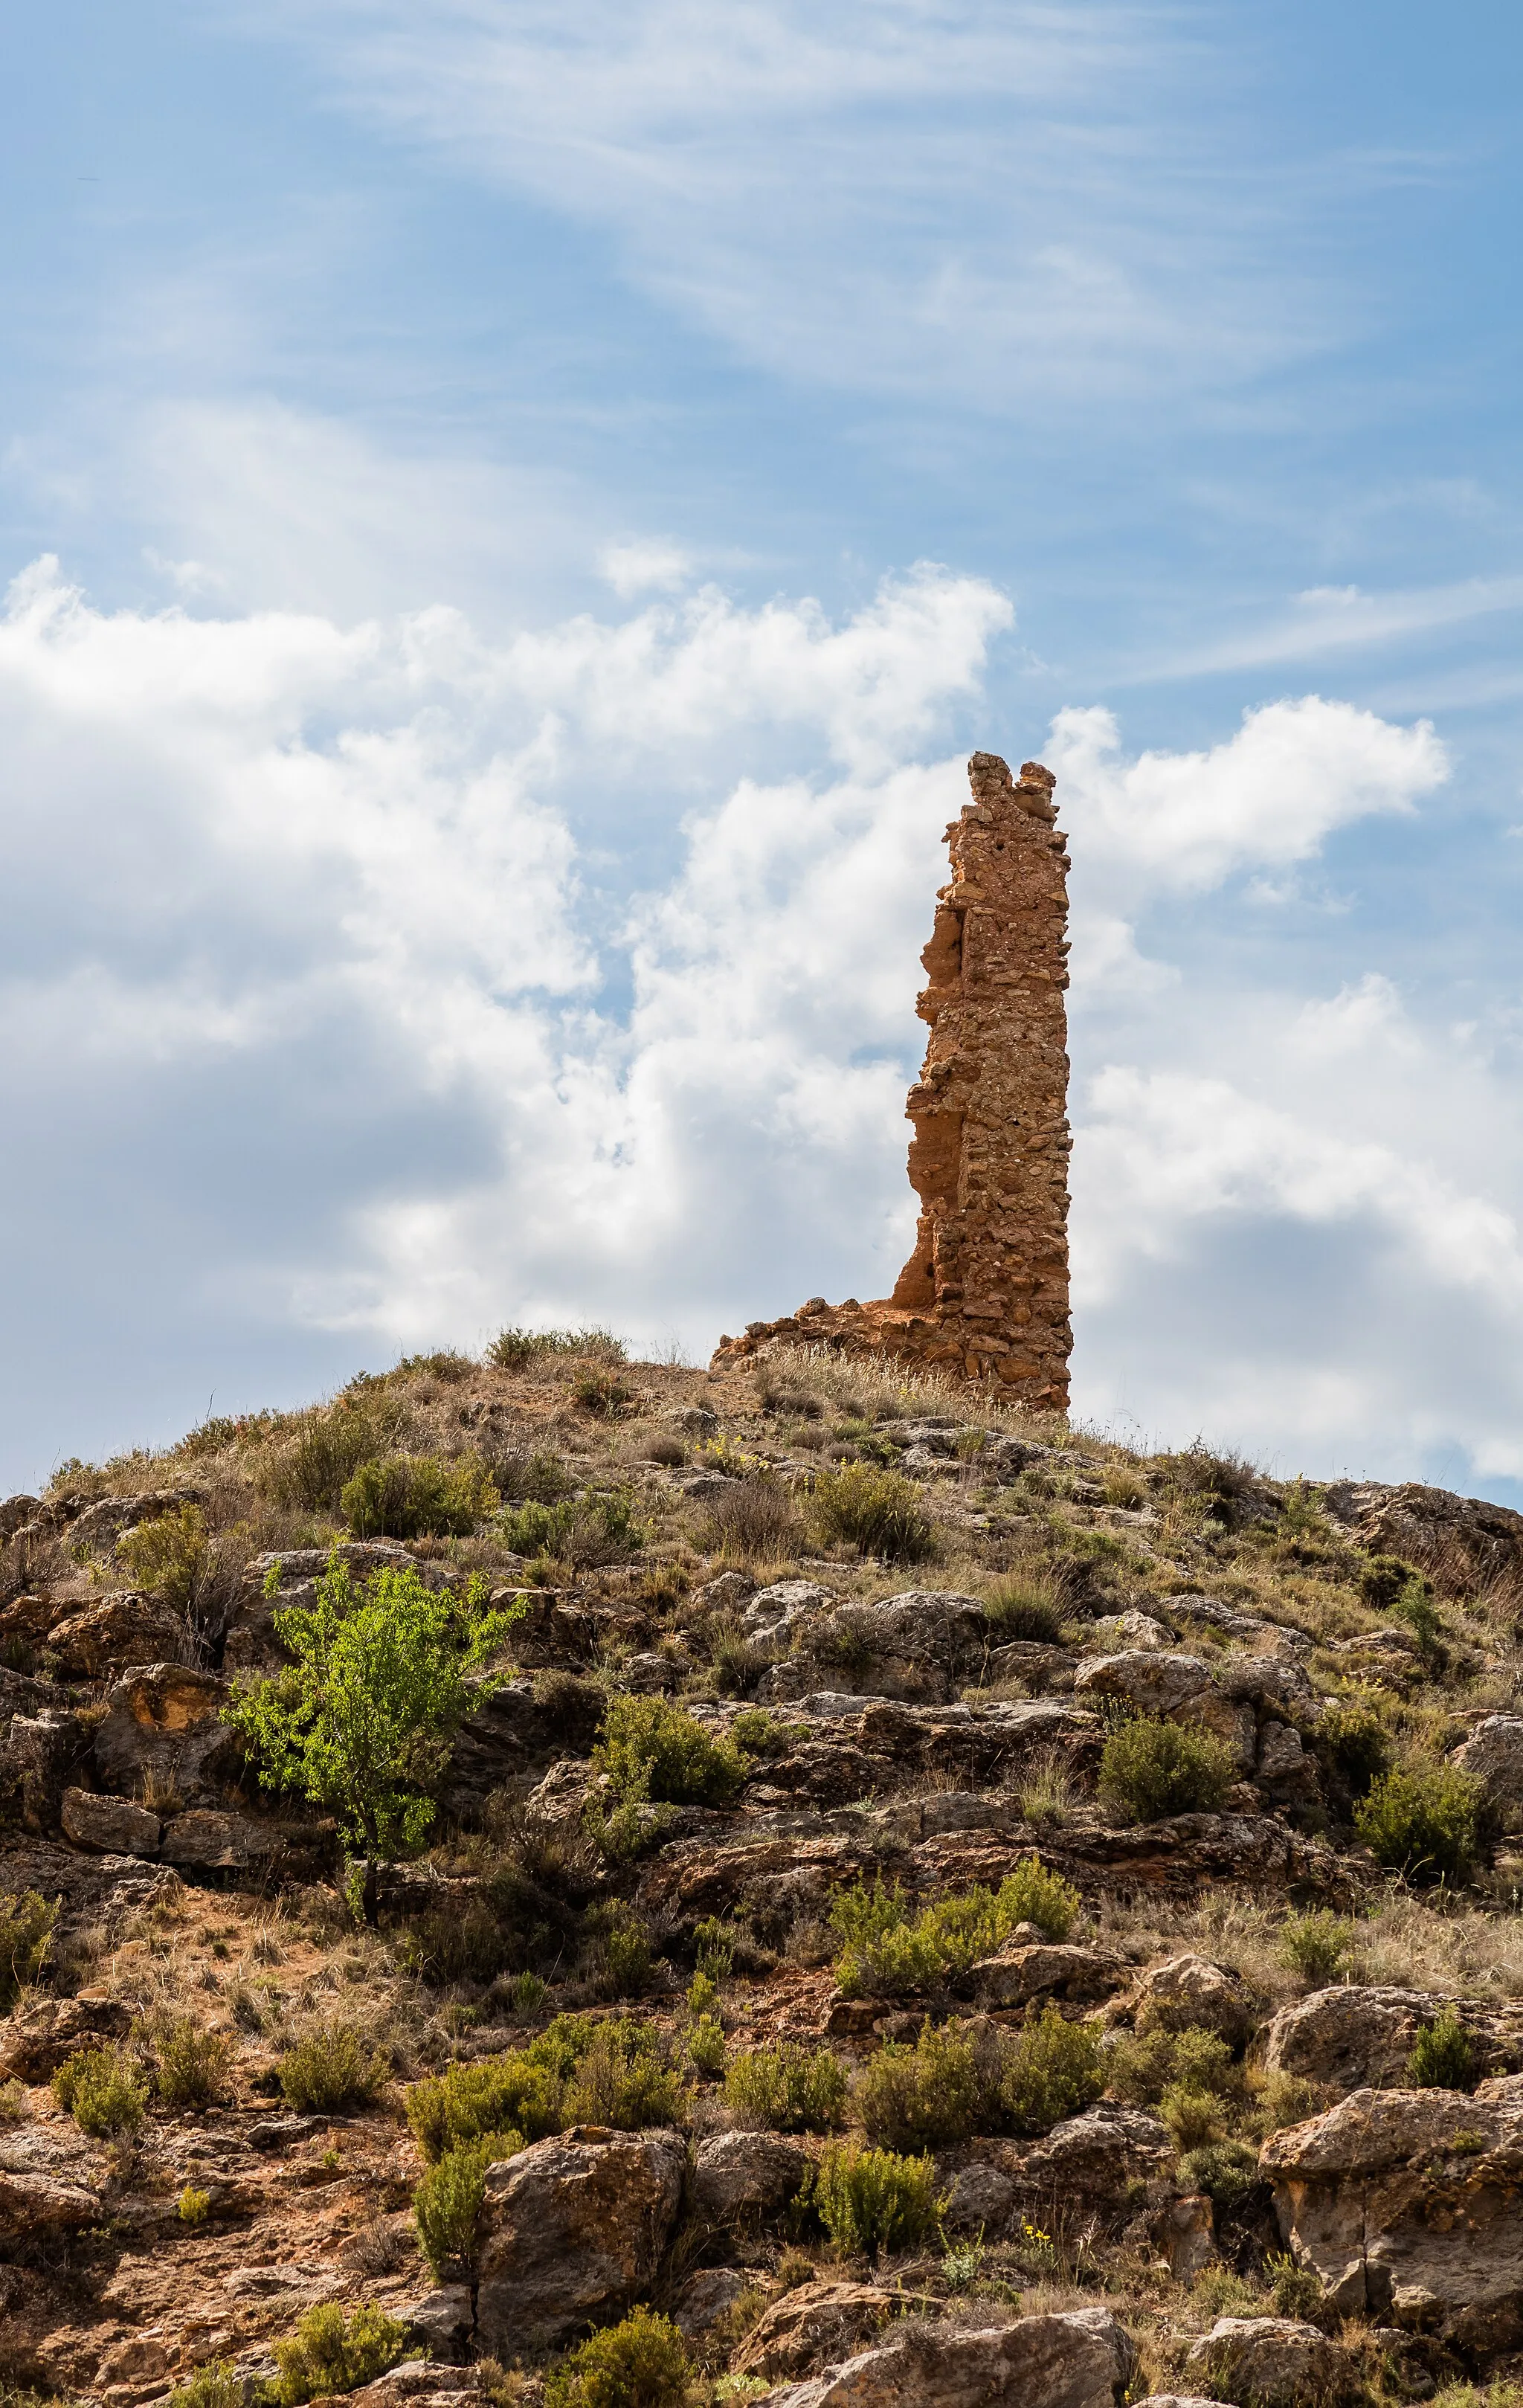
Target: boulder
<point>1047,1969</point>
<point>706,2299</point>
<point>33,2044</point>
<point>116,1630</point>
<point>440,2324</point>
<point>1349,2037</point>
<point>919,1645</point>
<point>36,2209</point>
<point>982,2200</point>
<point>164,1721</point>
<point>417,2383</point>
<point>115,1826</point>
<point>216,1842</point>
<point>1283,1762</point>
<point>1467,1547</point>
<point>1151,1680</point>
<point>98,1528</point>
<point>1092,2157</point>
<point>572,2229</point>
<point>1189,1990</point>
<point>729,1594</point>
<point>746,2174</point>
<point>1081,2359</point>
<point>1269,2362</point>
<point>39,1753</point>
<point>1404,2203</point>
<point>817,2321</point>
<point>15,1513</point>
<point>1494,1755</point>
<point>1176,2399</point>
<point>770,1618</point>
<point>1034,1663</point>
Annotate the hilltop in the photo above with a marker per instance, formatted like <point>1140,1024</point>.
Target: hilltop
<point>880,1896</point>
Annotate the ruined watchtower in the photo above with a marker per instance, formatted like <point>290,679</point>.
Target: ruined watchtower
<point>985,1291</point>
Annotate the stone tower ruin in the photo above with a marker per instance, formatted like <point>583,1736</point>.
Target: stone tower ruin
<point>986,1291</point>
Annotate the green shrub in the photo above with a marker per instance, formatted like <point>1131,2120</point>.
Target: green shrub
<point>788,2088</point>
<point>1226,2170</point>
<point>193,2206</point>
<point>1446,2056</point>
<point>27,1930</point>
<point>641,2363</point>
<point>870,2200</point>
<point>216,2385</point>
<point>580,2069</point>
<point>332,2353</point>
<point>1424,1822</point>
<point>1316,1945</point>
<point>448,2201</point>
<point>100,2089</point>
<point>891,1949</point>
<point>1025,1607</point>
<point>1053,2069</point>
<point>168,1557</point>
<point>652,1749</point>
<point>1143,2067</point>
<point>706,2045</point>
<point>308,1465</point>
<point>926,2097</point>
<point>417,1496</point>
<point>1151,1769</point>
<point>599,1391</point>
<point>1352,1742</point>
<point>628,1959</point>
<point>524,1475</point>
<point>582,1531</point>
<point>881,1513</point>
<point>1294,2290</point>
<point>192,2062</point>
<point>1194,2117</point>
<point>330,2068</point>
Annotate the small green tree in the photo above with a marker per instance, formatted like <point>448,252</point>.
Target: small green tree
<point>363,1721</point>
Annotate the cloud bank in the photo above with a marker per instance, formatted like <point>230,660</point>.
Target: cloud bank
<point>348,1034</point>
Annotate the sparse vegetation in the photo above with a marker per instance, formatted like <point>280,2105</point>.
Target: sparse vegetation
<point>27,1930</point>
<point>1446,2056</point>
<point>1054,2068</point>
<point>330,2068</point>
<point>191,2068</point>
<point>893,1949</point>
<point>880,1513</point>
<point>100,2088</point>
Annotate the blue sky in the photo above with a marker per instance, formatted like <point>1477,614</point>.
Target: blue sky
<point>518,512</point>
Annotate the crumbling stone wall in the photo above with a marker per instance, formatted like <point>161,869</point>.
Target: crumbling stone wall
<point>985,1291</point>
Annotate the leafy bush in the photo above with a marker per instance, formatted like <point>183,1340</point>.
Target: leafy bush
<point>1142,2067</point>
<point>1294,2290</point>
<point>1194,2117</point>
<point>879,1512</point>
<point>169,1557</point>
<point>1226,2170</point>
<point>1316,1945</point>
<point>521,1474</point>
<point>1352,1742</point>
<point>27,1930</point>
<point>330,2068</point>
<point>193,2206</point>
<point>1151,1769</point>
<point>599,1391</point>
<point>1424,1822</point>
<point>308,1467</point>
<point>332,2351</point>
<point>1446,2056</point>
<point>926,2097</point>
<point>1024,1606</point>
<point>578,2070</point>
<point>706,2045</point>
<point>216,2385</point>
<point>100,2089</point>
<point>641,2363</point>
<point>1053,2069</point>
<point>417,1496</point>
<point>870,2200</point>
<point>652,1749</point>
<point>364,1718</point>
<point>448,2201</point>
<point>891,1949</point>
<point>788,2088</point>
<point>584,1531</point>
<point>192,2062</point>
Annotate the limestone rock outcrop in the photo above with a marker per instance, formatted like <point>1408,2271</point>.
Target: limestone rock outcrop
<point>572,2231</point>
<point>985,1291</point>
<point>1081,2359</point>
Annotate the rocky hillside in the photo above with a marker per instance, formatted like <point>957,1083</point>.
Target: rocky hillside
<point>563,1878</point>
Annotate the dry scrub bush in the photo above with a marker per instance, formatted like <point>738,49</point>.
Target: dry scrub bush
<point>26,1929</point>
<point>100,2089</point>
<point>640,2363</point>
<point>873,2201</point>
<point>785,2089</point>
<point>879,1513</point>
<point>1151,1769</point>
<point>334,2353</point>
<point>329,2068</point>
<point>417,1496</point>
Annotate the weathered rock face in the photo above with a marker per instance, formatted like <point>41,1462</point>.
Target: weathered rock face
<point>746,2174</point>
<point>917,1646</point>
<point>1273,2361</point>
<point>572,2231</point>
<point>1190,1990</point>
<point>986,1291</point>
<point>121,1628</point>
<point>1351,2037</point>
<point>166,1720</point>
<point>1466,1546</point>
<point>1405,2203</point>
<point>818,2320</point>
<point>1078,2360</point>
<point>1494,1753</point>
